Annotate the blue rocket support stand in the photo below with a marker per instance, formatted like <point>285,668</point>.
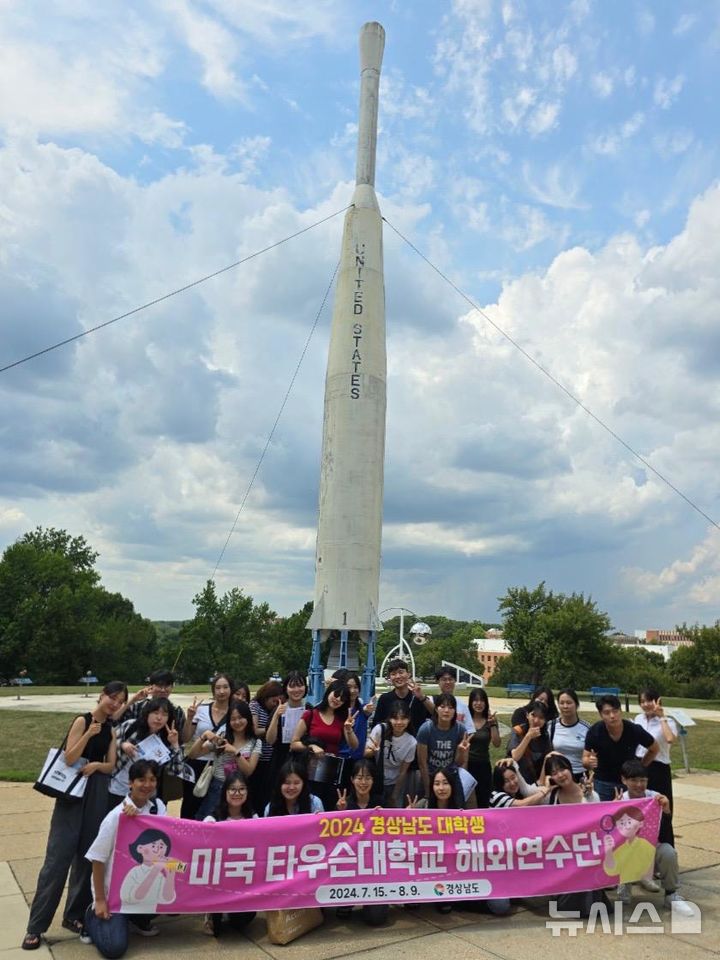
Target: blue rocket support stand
<point>367,687</point>
<point>316,675</point>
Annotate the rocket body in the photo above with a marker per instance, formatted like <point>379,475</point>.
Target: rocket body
<point>347,560</point>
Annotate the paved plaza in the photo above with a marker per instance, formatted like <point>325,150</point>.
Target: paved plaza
<point>419,934</point>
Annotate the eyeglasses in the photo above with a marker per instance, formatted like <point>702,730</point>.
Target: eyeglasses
<point>237,789</point>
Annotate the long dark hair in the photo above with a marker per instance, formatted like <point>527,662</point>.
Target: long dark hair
<point>223,676</point>
<point>115,686</point>
<point>398,709</point>
<point>552,710</point>
<point>140,730</point>
<point>339,688</point>
<point>498,777</point>
<point>243,708</point>
<point>277,805</point>
<point>477,693</point>
<point>457,797</point>
<point>222,811</point>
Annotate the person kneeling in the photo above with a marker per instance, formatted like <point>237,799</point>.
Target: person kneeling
<point>635,780</point>
<point>149,883</point>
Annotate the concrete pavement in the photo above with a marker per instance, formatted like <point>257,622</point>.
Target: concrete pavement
<point>420,934</point>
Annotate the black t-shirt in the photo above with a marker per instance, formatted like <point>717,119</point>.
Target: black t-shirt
<point>418,713</point>
<point>612,754</point>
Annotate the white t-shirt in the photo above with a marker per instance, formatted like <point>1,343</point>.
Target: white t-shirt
<point>570,741</point>
<point>249,749</point>
<point>103,845</point>
<point>202,722</point>
<point>654,728</point>
<point>398,750</point>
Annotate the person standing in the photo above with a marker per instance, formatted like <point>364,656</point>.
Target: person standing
<point>610,742</point>
<point>407,690</point>
<point>664,731</point>
<point>483,729</point>
<point>75,823</point>
<point>262,706</point>
<point>568,732</point>
<point>201,718</point>
<point>282,724</point>
<point>442,741</point>
<point>446,680</point>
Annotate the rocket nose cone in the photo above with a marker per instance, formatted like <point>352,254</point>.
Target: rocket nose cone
<point>372,45</point>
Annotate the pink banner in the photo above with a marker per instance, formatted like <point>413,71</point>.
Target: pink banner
<point>163,865</point>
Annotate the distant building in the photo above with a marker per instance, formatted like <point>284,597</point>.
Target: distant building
<point>491,649</point>
<point>665,636</point>
<point>664,642</point>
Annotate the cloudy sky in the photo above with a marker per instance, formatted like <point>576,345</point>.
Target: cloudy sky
<point>558,161</point>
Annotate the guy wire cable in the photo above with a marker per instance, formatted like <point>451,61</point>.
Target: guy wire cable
<point>536,363</point>
<point>172,293</point>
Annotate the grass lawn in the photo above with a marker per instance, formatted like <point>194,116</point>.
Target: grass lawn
<point>585,695</point>
<point>28,735</point>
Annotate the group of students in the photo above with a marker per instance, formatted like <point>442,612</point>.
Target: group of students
<point>271,755</point>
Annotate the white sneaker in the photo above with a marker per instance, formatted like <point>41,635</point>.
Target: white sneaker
<point>651,885</point>
<point>624,892</point>
<point>679,905</point>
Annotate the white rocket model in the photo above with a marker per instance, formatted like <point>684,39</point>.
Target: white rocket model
<point>347,559</point>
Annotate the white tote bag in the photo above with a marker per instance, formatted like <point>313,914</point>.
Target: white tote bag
<point>58,779</point>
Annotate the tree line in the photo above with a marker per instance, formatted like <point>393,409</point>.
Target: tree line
<point>58,622</point>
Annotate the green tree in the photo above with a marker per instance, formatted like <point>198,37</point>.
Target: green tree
<point>698,665</point>
<point>228,633</point>
<point>55,618</point>
<point>289,643</point>
<point>556,639</point>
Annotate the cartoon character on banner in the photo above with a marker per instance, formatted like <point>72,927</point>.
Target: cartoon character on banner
<point>634,857</point>
<point>152,881</point>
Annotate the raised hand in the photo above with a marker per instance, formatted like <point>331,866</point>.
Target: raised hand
<point>94,729</point>
<point>193,708</point>
<point>172,736</point>
<point>412,802</point>
<point>281,709</point>
<point>464,744</point>
<point>341,800</point>
<point>351,717</point>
